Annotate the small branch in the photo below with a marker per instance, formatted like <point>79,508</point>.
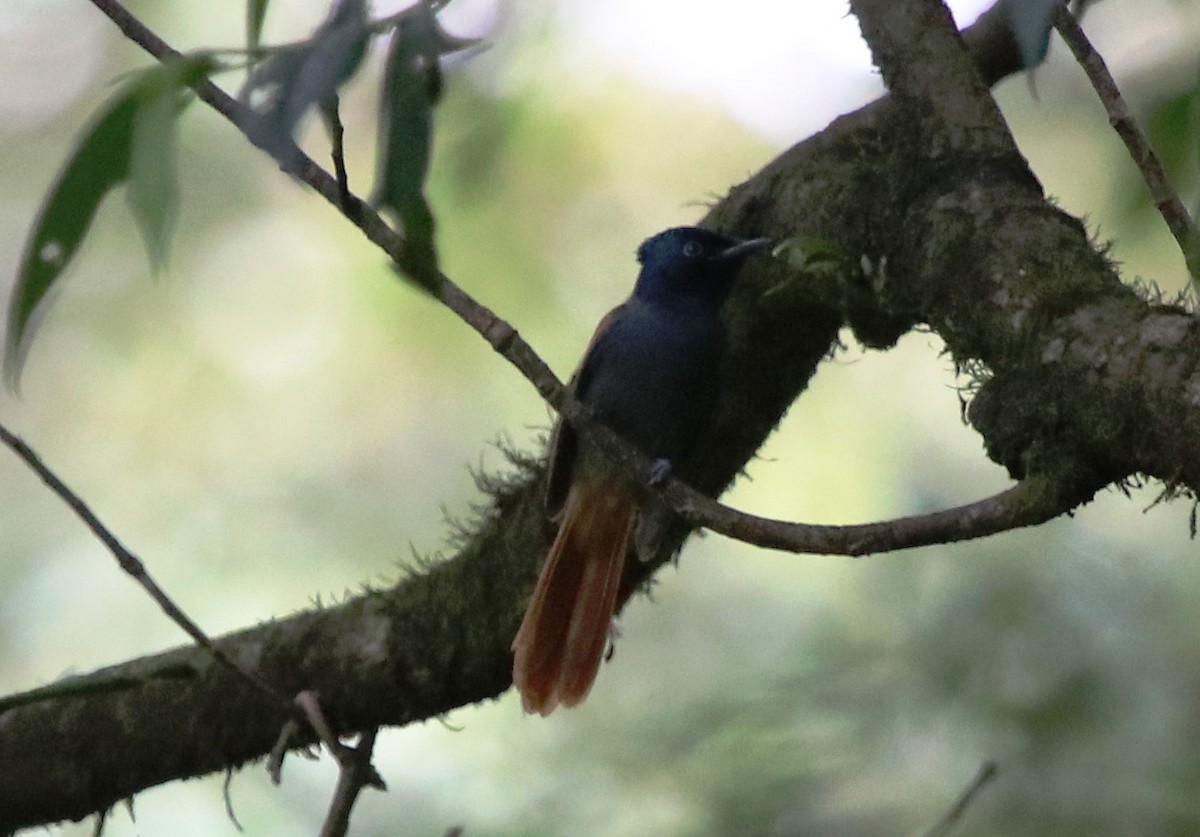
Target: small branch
<point>355,769</point>
<point>337,136</point>
<point>356,773</point>
<point>1179,220</point>
<point>1031,502</point>
<point>132,565</point>
<point>987,771</point>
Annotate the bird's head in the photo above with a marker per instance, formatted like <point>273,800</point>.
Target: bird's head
<point>691,263</point>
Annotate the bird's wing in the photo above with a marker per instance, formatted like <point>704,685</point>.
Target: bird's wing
<point>563,440</point>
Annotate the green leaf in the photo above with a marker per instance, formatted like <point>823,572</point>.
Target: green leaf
<point>256,13</point>
<point>411,88</point>
<point>1170,125</point>
<point>298,78</point>
<point>99,163</point>
<point>1030,23</point>
<point>133,138</point>
<point>419,255</point>
<point>406,125</point>
<point>1171,134</point>
<point>811,254</point>
<point>153,194</point>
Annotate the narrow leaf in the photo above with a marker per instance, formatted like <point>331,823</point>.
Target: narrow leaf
<point>296,79</point>
<point>412,86</point>
<point>1169,128</point>
<point>419,256</point>
<point>132,139</point>
<point>256,13</point>
<point>100,162</point>
<point>811,254</point>
<point>152,194</point>
<point>1030,23</point>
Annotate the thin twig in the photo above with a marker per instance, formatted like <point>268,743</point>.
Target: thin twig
<point>356,773</point>
<point>1166,199</point>
<point>987,771</point>
<point>355,770</point>
<point>132,565</point>
<point>337,136</point>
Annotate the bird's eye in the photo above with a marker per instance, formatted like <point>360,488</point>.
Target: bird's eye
<point>692,249</point>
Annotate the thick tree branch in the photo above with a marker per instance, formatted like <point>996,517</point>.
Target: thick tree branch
<point>1087,384</point>
<point>385,658</point>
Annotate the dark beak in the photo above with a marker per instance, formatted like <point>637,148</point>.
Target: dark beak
<point>744,248</point>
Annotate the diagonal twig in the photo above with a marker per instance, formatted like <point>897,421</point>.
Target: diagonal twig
<point>987,771</point>
<point>1166,199</point>
<point>355,773</point>
<point>133,565</point>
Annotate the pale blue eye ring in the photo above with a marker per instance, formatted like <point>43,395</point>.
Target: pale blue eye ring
<point>692,249</point>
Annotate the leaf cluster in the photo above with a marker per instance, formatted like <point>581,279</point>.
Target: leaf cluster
<point>132,142</point>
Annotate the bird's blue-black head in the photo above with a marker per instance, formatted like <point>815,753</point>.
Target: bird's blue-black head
<point>688,263</point>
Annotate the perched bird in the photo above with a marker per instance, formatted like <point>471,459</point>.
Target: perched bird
<point>650,374</point>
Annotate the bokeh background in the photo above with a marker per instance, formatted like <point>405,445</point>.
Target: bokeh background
<point>276,419</point>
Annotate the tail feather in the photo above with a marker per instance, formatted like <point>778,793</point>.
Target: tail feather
<point>563,636</point>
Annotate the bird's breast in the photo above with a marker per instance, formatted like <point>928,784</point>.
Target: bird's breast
<point>657,383</point>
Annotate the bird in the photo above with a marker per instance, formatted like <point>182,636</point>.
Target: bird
<point>649,374</point>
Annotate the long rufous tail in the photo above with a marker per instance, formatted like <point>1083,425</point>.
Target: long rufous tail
<point>565,631</point>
